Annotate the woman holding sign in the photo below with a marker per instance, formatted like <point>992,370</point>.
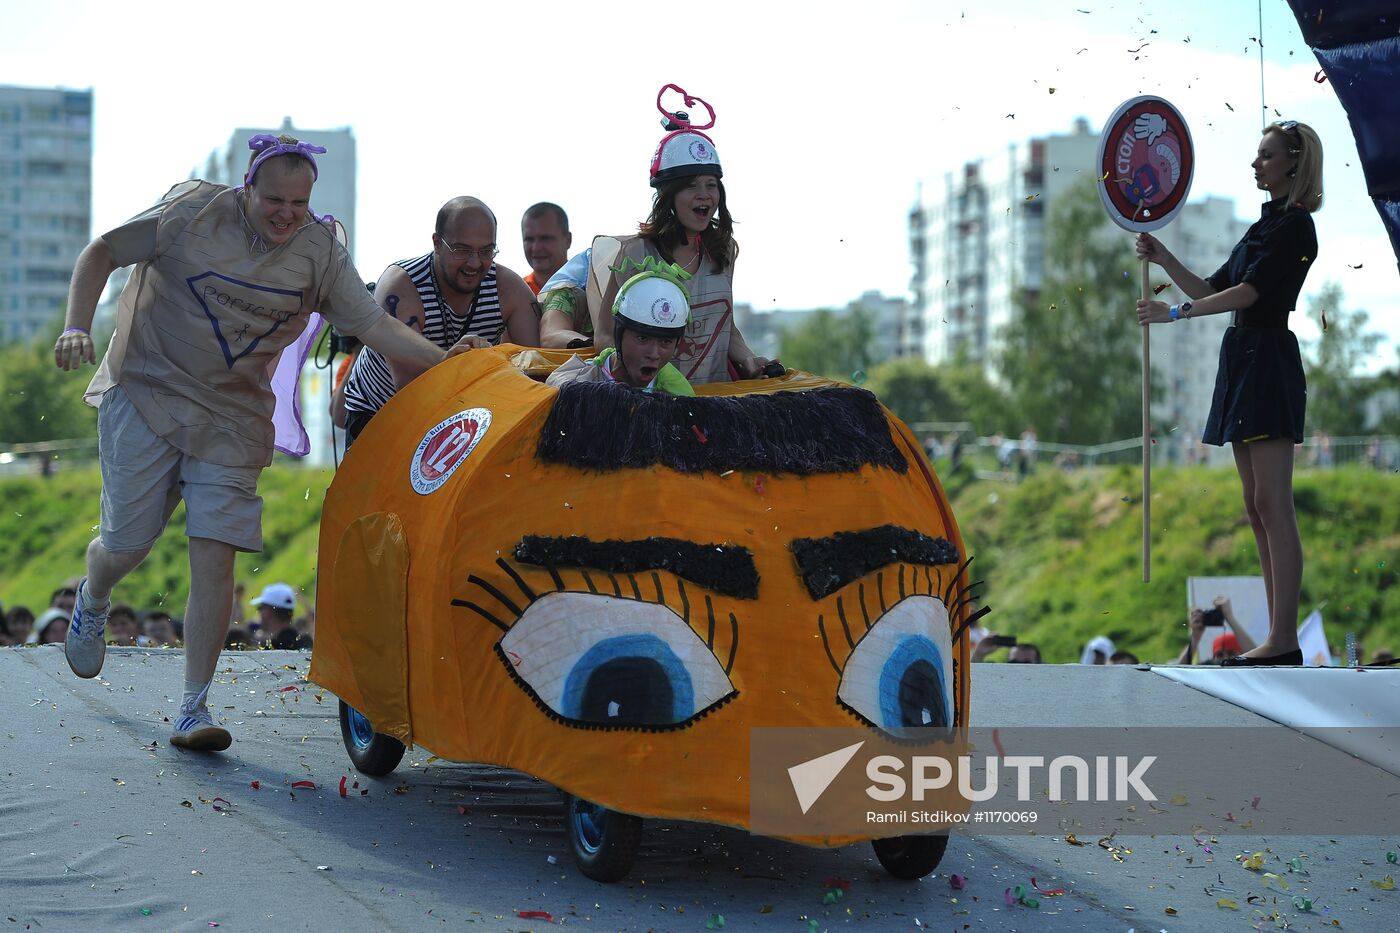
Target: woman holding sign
<point>1260,393</point>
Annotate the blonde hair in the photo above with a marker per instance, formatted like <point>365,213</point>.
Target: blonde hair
<point>1304,144</point>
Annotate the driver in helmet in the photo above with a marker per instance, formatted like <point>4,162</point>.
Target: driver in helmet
<point>649,318</point>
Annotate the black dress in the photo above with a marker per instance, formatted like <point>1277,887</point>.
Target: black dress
<point>1260,391</point>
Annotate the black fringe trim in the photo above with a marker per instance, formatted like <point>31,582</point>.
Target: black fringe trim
<point>602,726</point>
<point>726,569</point>
<point>894,737</point>
<point>829,430</point>
<point>827,564</point>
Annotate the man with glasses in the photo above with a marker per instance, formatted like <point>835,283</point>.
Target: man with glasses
<point>456,292</point>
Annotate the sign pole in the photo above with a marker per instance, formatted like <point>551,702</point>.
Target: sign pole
<point>1145,162</point>
<point>1146,438</point>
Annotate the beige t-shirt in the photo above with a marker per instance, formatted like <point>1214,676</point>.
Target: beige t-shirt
<point>204,317</point>
<point>702,355</point>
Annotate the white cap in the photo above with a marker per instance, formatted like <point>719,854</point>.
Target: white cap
<point>278,596</point>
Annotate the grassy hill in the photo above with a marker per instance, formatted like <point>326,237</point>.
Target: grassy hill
<point>1061,553</point>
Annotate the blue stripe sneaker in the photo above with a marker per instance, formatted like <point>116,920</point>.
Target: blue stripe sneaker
<point>196,732</point>
<point>86,645</point>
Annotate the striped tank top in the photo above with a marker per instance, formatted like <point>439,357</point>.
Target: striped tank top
<point>371,384</point>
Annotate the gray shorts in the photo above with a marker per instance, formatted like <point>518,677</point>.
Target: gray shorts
<point>144,478</point>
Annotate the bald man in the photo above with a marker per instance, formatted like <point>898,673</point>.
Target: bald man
<point>456,292</point>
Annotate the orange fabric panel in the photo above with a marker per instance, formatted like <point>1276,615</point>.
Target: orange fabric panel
<point>471,603</point>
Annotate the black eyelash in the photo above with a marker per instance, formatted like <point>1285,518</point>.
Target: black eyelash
<point>733,643</point>
<point>516,612</point>
<point>483,613</point>
<point>500,597</point>
<point>841,614</point>
<point>519,581</point>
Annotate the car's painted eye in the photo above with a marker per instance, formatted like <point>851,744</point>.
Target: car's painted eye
<point>900,674</point>
<point>599,661</point>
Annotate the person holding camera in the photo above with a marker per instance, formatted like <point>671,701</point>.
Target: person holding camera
<point>1260,392</point>
<point>1223,646</point>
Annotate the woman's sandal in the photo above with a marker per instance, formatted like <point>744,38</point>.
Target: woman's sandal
<point>1292,658</point>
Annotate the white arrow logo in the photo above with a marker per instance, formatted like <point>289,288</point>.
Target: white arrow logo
<point>811,778</point>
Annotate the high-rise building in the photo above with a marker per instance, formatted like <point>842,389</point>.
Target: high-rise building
<point>978,248</point>
<point>334,193</point>
<point>45,202</point>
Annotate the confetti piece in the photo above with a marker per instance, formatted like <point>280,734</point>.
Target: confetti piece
<point>1178,800</point>
<point>1392,857</point>
<point>304,785</point>
<point>288,688</point>
<point>1170,911</point>
<point>1052,90</point>
<point>716,922</point>
<point>1295,865</point>
<point>858,377</point>
<point>1254,804</point>
<point>255,785</point>
<point>1270,876</point>
<point>1255,861</point>
<point>830,897</point>
<point>463,811</point>
<point>766,909</point>
<point>145,911</point>
<point>1302,903</point>
<point>1319,76</point>
<point>1385,884</point>
<point>957,882</point>
<point>1008,897</point>
<point>700,435</point>
<point>186,803</point>
<point>1227,904</point>
<point>544,915</point>
<point>1072,839</point>
<point>215,803</point>
<point>1158,289</point>
<point>758,484</point>
<point>1053,892</point>
<point>342,785</point>
<point>323,868</point>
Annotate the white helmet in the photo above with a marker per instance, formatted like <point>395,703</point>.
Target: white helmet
<point>653,302</point>
<point>684,151</point>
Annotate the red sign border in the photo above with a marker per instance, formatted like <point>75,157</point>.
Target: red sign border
<point>1122,120</point>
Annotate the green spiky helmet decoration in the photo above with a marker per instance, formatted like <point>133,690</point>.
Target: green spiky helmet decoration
<point>653,300</point>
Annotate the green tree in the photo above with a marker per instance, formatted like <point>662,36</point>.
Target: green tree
<point>830,344</point>
<point>1336,390</point>
<point>1071,356</point>
<point>915,391</point>
<point>38,401</point>
<point>983,403</point>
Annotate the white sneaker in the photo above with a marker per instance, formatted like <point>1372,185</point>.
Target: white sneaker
<point>86,645</point>
<point>197,733</point>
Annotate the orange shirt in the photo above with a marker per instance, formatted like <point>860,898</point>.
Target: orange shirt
<point>534,283</point>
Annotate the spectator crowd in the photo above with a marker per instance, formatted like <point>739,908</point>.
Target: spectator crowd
<point>276,618</point>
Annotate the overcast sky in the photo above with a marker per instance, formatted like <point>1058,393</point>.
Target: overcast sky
<point>829,113</point>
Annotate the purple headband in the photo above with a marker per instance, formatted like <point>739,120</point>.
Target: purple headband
<point>268,146</point>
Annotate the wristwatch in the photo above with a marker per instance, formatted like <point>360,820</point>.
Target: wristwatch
<point>1184,310</point>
